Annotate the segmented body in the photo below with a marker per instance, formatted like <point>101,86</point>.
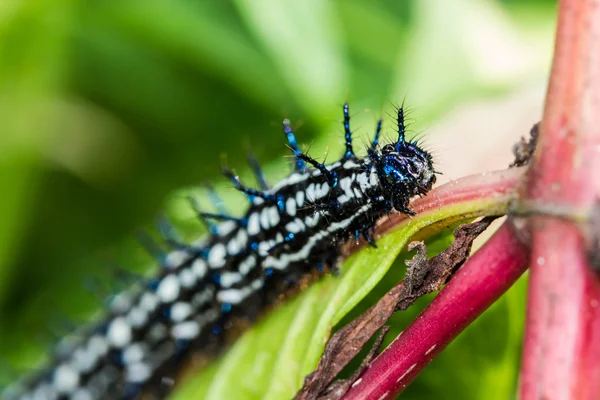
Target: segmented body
<point>290,230</point>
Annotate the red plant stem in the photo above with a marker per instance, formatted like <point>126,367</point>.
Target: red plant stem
<point>562,348</point>
<point>561,357</point>
<point>480,282</point>
<point>495,186</point>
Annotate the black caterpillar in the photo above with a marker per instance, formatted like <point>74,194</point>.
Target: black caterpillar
<point>288,231</point>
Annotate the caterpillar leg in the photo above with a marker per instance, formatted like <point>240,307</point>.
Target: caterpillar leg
<point>405,210</point>
<point>401,125</point>
<point>205,218</point>
<point>291,138</point>
<point>251,193</point>
<point>258,172</point>
<point>151,247</point>
<point>375,143</point>
<point>221,217</point>
<point>330,175</point>
<point>216,199</point>
<point>167,230</point>
<point>368,236</point>
<point>347,133</point>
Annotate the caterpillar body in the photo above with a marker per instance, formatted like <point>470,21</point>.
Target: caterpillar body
<point>289,230</point>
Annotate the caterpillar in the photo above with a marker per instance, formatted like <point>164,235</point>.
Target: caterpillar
<point>290,230</point>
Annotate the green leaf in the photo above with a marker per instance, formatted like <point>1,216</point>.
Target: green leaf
<point>31,34</point>
<point>314,67</point>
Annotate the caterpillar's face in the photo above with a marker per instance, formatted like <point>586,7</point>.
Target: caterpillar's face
<point>406,165</point>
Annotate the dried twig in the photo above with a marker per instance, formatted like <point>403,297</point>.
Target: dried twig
<point>423,276</point>
<point>523,150</point>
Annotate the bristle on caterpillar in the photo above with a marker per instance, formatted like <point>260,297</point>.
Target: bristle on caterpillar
<point>290,231</point>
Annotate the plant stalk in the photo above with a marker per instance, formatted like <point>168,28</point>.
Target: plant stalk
<point>561,357</point>
<point>479,282</point>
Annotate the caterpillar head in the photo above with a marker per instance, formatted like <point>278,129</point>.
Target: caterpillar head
<point>406,165</point>
<point>404,168</point>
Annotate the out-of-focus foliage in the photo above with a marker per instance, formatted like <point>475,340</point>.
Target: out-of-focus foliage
<point>107,107</point>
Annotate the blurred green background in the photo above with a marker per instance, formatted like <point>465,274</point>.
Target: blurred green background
<point>112,111</point>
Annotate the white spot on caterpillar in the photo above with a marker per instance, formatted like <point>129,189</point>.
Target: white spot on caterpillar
<point>312,220</point>
<point>168,289</point>
<point>374,179</point>
<point>235,296</point>
<point>290,207</point>
<point>350,164</point>
<point>273,216</point>
<point>230,278</point>
<point>83,360</point>
<point>233,247</point>
<point>346,185</point>
<point>43,391</point>
<point>226,227</point>
<point>290,180</point>
<point>149,301</point>
<point>176,258</point>
<point>187,278</point>
<point>253,224</point>
<point>278,238</point>
<point>203,297</point>
<point>264,218</point>
<point>310,192</point>
<point>82,394</point>
<point>300,198</point>
<point>120,303</point>
<point>363,181</point>
<point>242,238</point>
<point>186,330</point>
<point>137,317</point>
<point>247,264</point>
<point>66,378</point>
<point>295,226</point>
<point>119,332</point>
<point>98,345</point>
<point>199,268</point>
<point>216,256</point>
<point>180,311</point>
<point>322,190</point>
<point>72,347</point>
<point>133,353</point>
<point>343,199</point>
<point>138,372</point>
<point>263,247</point>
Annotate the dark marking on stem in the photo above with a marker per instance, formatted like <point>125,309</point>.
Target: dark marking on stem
<point>523,150</point>
<point>422,277</point>
<point>593,245</point>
